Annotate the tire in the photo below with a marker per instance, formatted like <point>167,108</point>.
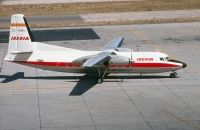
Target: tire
<point>99,80</point>
<point>173,75</point>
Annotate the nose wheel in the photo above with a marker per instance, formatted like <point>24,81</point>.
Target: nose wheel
<point>173,75</point>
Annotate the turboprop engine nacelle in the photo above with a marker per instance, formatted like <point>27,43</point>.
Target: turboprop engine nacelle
<point>120,60</point>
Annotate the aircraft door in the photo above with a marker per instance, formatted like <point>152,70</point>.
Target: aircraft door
<point>131,59</point>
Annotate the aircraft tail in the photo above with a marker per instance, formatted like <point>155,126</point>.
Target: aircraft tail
<point>20,39</point>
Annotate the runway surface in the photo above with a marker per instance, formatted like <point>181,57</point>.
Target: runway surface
<point>34,99</point>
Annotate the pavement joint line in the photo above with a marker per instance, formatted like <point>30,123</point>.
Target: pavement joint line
<point>119,124</point>
<point>38,98</point>
<point>195,12</point>
<point>178,97</point>
<point>185,85</point>
<point>186,105</point>
<point>190,54</point>
<point>188,72</point>
<point>4,54</point>
<point>176,117</point>
<point>89,112</point>
<point>154,45</point>
<point>134,105</point>
<point>191,76</point>
<point>182,120</point>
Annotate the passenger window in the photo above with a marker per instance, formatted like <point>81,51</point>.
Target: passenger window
<point>161,59</point>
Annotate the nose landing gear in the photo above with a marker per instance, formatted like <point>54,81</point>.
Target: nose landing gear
<point>173,75</point>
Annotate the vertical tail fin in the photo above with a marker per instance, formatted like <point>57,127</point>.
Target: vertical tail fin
<point>20,39</point>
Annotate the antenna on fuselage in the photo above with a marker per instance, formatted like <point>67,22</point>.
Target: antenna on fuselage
<point>137,47</point>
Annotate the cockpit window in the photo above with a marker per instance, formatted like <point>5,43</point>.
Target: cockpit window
<point>164,58</point>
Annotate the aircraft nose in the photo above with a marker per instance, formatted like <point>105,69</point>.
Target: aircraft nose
<point>175,61</point>
<point>184,65</point>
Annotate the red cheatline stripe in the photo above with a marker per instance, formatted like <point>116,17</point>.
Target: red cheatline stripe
<point>56,64</point>
<point>70,64</point>
<point>18,24</point>
<point>153,65</point>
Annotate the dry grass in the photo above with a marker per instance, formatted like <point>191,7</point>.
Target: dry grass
<point>77,8</point>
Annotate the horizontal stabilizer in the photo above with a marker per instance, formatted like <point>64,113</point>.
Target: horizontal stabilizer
<point>20,52</point>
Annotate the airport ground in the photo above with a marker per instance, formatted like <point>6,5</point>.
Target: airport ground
<point>34,99</point>
<point>51,13</point>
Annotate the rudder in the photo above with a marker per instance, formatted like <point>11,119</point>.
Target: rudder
<point>20,39</point>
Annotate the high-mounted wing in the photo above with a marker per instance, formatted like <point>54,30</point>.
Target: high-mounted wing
<point>114,44</point>
<point>105,55</point>
<point>100,58</point>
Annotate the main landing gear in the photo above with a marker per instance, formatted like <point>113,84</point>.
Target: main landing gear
<point>101,76</point>
<point>99,80</point>
<point>173,75</point>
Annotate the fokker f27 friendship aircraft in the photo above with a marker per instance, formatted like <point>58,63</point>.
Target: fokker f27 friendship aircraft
<point>111,58</point>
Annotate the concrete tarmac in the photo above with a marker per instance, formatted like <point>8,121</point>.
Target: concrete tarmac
<point>34,99</point>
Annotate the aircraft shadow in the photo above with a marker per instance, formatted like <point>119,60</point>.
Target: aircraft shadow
<point>84,82</point>
<point>16,76</point>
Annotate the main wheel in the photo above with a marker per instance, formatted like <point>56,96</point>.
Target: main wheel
<point>106,75</point>
<point>173,75</point>
<point>99,80</point>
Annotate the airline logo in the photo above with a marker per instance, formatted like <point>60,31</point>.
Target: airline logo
<point>144,59</point>
<point>19,38</point>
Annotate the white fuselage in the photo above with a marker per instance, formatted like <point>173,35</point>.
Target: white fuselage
<point>55,58</point>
